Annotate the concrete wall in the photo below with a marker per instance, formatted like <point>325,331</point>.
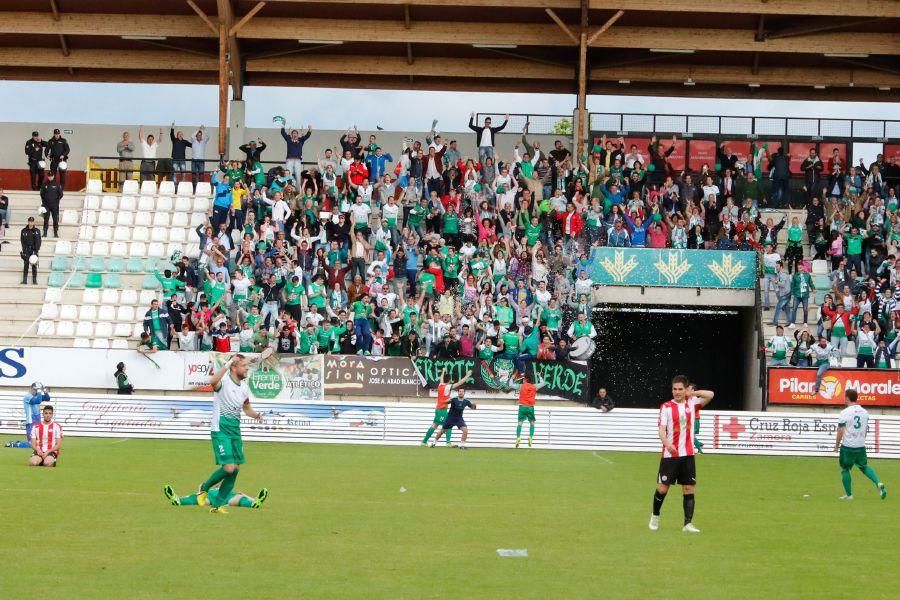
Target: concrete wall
<point>100,140</point>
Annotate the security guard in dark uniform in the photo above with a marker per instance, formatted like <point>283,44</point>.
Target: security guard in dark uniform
<point>58,151</point>
<point>31,245</point>
<point>51,194</point>
<point>35,148</point>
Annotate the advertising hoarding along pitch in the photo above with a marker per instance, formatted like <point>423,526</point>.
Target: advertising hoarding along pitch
<point>876,387</point>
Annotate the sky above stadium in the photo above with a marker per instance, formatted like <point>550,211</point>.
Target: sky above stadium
<point>50,102</point>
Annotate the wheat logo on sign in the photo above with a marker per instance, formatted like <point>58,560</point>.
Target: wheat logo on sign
<point>727,270</point>
<point>674,269</point>
<point>618,268</point>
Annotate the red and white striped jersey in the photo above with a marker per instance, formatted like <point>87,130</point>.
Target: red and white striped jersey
<point>47,435</point>
<point>678,419</point>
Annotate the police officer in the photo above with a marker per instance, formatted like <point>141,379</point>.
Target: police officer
<point>35,148</point>
<point>31,245</point>
<point>51,194</point>
<point>58,151</point>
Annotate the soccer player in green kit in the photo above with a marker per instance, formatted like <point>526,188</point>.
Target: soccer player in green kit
<point>230,396</point>
<point>234,499</point>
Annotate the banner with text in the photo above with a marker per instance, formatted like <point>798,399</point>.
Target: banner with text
<point>673,268</point>
<point>371,375</point>
<point>565,379</point>
<point>281,378</point>
<point>875,387</point>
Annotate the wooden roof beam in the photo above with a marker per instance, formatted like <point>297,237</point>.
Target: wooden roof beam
<point>609,23</point>
<point>813,26</point>
<point>562,25</point>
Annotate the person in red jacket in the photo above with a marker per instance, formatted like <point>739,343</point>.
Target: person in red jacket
<point>570,223</point>
<point>657,234</point>
<point>358,172</point>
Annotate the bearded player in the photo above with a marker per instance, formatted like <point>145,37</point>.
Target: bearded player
<point>676,432</point>
<point>443,402</point>
<point>230,396</point>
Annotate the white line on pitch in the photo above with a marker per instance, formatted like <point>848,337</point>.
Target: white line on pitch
<point>603,458</point>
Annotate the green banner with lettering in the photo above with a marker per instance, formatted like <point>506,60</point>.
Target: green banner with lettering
<point>673,268</point>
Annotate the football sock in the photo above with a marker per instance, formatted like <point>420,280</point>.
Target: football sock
<point>657,502</point>
<point>531,429</point>
<point>428,435</point>
<point>245,502</point>
<point>519,430</point>
<point>448,434</point>
<point>845,479</point>
<point>217,476</point>
<point>188,500</point>
<point>688,508</point>
<point>870,473</point>
<point>225,489</point>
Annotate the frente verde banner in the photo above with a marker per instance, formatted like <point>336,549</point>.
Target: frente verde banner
<point>566,379</point>
<point>673,268</point>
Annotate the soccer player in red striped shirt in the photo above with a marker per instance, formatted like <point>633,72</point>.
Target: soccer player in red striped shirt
<point>46,440</point>
<point>676,432</point>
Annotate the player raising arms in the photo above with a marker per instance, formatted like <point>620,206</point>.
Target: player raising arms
<point>853,424</point>
<point>235,499</point>
<point>443,400</point>
<point>527,395</point>
<point>230,396</point>
<point>676,431</point>
<point>458,403</point>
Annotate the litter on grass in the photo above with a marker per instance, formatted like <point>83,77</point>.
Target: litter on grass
<point>512,552</point>
<point>402,489</point>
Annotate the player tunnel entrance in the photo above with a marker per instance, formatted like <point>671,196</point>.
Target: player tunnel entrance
<point>640,348</point>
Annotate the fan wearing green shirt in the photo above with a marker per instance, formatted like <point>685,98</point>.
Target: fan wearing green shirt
<point>215,287</point>
<point>450,265</point>
<point>450,226</point>
<point>169,284</point>
<point>362,311</point>
<point>855,249</point>
<point>293,293</point>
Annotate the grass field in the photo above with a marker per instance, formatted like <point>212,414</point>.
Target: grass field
<point>337,526</point>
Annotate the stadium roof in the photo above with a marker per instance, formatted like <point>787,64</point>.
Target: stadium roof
<point>790,49</point>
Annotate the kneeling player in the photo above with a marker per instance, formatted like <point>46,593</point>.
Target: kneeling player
<point>458,403</point>
<point>234,499</point>
<point>677,466</point>
<point>46,440</point>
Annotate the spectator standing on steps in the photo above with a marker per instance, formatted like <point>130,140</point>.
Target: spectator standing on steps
<point>782,292</point>
<point>293,160</point>
<point>484,136</point>
<point>31,245</point>
<point>179,154</point>
<point>35,149</point>
<point>58,152</point>
<point>254,150</point>
<point>198,152</point>
<point>51,194</point>
<point>125,150</point>
<point>5,216</point>
<point>148,162</point>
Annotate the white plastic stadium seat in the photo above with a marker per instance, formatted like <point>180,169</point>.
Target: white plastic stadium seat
<point>185,188</point>
<point>83,249</point>
<point>161,219</point>
<point>138,328</point>
<point>49,311</point>
<point>147,296</point>
<point>109,203</point>
<point>176,234</point>
<point>106,217</point>
<point>174,247</point>
<point>89,217</point>
<point>91,202</point>
<point>148,188</point>
<point>53,295</point>
<point>85,232</point>
<point>63,247</point>
<point>159,234</point>
<point>94,186</point>
<point>167,188</point>
<point>143,218</point>
<point>183,204</point>
<point>164,203</point>
<point>118,249</point>
<point>125,218</point>
<point>84,329</point>
<point>88,312</point>
<point>137,250</point>
<point>100,342</point>
<point>140,234</point>
<point>197,219</point>
<point>46,327</point>
<point>109,297</point>
<point>119,345</point>
<point>180,219</point>
<point>127,203</point>
<point>122,233</point>
<point>69,217</point>
<point>820,267</point>
<point>80,342</point>
<point>128,297</point>
<point>90,296</point>
<point>192,236</point>
<point>100,249</point>
<point>147,203</point>
<point>156,250</point>
<point>65,329</point>
<point>103,232</point>
<point>123,329</point>
<point>193,251</point>
<point>125,314</point>
<point>201,204</point>
<point>130,187</point>
<point>68,312</point>
<point>107,313</point>
<point>203,189</point>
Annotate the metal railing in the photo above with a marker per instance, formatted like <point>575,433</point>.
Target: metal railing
<point>561,125</point>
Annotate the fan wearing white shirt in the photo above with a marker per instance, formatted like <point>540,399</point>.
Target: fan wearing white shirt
<point>149,145</point>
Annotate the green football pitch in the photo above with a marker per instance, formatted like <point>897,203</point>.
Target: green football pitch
<point>338,525</point>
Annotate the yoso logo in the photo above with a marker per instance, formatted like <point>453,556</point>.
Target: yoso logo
<point>831,387</point>
<point>202,369</point>
<point>265,384</point>
<point>11,365</point>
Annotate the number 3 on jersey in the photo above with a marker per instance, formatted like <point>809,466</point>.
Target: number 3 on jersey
<point>858,424</point>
